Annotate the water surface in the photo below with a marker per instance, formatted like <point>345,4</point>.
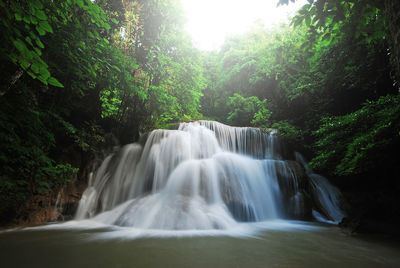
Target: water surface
<point>276,244</point>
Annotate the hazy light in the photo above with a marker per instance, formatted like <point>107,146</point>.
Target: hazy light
<point>210,21</point>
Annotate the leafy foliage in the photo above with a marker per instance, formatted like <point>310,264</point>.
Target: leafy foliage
<point>25,166</point>
<point>77,69</point>
<point>289,131</point>
<point>301,73</point>
<point>245,110</point>
<point>23,25</point>
<point>359,142</point>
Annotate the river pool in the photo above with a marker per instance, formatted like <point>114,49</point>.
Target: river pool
<point>268,244</point>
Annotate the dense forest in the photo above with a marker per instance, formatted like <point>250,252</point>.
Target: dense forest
<point>79,75</point>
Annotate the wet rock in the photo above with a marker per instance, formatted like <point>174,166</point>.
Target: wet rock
<point>58,204</point>
<point>241,212</point>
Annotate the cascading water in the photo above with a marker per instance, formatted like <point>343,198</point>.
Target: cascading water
<point>326,195</point>
<point>203,176</point>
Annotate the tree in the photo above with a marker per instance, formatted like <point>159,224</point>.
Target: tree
<point>23,25</point>
<point>360,142</point>
<point>382,17</point>
<point>248,110</point>
<point>78,69</point>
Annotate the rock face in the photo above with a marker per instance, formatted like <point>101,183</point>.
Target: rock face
<point>293,182</point>
<point>58,204</point>
<point>61,201</point>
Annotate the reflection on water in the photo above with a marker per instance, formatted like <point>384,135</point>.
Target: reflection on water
<point>276,244</point>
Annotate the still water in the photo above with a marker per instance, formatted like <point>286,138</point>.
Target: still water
<point>272,244</point>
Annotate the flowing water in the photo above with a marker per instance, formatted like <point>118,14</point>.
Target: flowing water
<point>204,195</point>
<point>205,176</point>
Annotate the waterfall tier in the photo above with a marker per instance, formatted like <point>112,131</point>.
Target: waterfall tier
<point>205,175</point>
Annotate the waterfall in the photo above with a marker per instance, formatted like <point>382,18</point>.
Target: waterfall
<point>57,207</point>
<point>327,196</point>
<point>204,175</point>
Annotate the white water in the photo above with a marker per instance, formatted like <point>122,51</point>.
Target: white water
<point>326,195</point>
<point>203,176</point>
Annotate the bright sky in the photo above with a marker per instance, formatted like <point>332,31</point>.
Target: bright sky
<point>210,21</point>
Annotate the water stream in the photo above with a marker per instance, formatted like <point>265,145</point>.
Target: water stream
<point>204,195</point>
<point>205,176</point>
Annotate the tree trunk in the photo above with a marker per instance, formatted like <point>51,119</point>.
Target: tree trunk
<point>392,8</point>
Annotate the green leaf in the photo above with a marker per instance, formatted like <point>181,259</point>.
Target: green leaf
<point>54,82</point>
<point>40,14</point>
<point>45,26</point>
<point>18,17</point>
<point>42,79</point>
<point>32,74</point>
<point>39,43</point>
<point>27,20</point>
<point>20,46</point>
<point>37,51</point>
<point>34,20</point>
<point>80,3</point>
<point>40,30</point>
<point>44,74</point>
<point>29,40</point>
<point>37,4</point>
<point>24,64</point>
<point>35,68</point>
<point>116,68</point>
